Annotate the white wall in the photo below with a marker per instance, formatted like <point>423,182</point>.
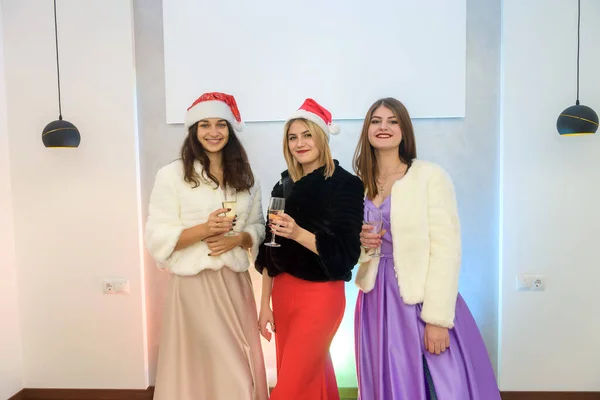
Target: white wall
<point>11,372</point>
<point>76,211</point>
<point>550,198</point>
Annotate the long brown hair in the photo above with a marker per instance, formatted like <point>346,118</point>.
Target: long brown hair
<point>365,162</point>
<point>320,139</point>
<point>237,173</point>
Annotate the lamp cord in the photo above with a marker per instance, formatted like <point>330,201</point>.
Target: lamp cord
<point>57,63</point>
<point>578,45</point>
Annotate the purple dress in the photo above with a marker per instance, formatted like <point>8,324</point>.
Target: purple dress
<point>392,362</point>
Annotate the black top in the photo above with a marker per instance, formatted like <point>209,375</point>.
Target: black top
<point>332,209</point>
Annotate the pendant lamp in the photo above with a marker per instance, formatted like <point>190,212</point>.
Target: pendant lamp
<point>578,119</point>
<point>60,133</point>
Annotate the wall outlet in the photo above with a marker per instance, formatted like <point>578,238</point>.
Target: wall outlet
<point>115,286</point>
<point>527,282</point>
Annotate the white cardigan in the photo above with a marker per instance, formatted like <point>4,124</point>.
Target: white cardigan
<point>175,206</point>
<point>426,243</point>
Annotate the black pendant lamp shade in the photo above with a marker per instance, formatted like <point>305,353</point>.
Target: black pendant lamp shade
<point>60,133</point>
<point>578,119</point>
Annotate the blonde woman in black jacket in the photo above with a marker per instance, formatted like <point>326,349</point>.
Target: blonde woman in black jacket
<point>319,234</point>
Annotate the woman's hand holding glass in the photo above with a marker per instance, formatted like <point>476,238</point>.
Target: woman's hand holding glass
<point>285,226</point>
<point>217,224</point>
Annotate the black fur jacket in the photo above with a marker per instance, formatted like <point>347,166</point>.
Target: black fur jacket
<point>332,209</point>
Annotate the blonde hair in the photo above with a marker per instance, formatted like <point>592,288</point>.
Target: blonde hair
<point>325,158</point>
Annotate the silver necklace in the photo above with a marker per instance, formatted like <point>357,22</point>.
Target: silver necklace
<point>380,185</point>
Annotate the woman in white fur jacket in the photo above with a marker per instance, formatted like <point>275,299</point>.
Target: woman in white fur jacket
<point>415,336</point>
<point>209,346</point>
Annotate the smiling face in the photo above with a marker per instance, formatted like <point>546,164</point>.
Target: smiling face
<point>384,129</point>
<point>213,134</point>
<point>305,149</point>
<point>387,128</point>
<point>302,146</point>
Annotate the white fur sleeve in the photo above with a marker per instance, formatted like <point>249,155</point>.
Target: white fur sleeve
<point>441,287</point>
<point>164,225</point>
<point>367,270</point>
<point>255,225</point>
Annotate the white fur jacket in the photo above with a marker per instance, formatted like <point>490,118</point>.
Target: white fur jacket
<point>426,243</point>
<point>175,206</point>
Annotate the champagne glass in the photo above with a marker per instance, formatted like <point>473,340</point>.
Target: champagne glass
<point>375,219</point>
<point>231,203</point>
<point>276,207</point>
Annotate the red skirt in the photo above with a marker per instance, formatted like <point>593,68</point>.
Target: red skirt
<point>307,315</point>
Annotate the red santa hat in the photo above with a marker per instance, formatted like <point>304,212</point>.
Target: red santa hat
<point>314,112</point>
<point>214,105</point>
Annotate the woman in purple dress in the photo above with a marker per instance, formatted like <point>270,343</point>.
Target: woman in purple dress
<point>415,336</point>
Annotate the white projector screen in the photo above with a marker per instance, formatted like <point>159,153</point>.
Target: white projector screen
<point>271,55</point>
